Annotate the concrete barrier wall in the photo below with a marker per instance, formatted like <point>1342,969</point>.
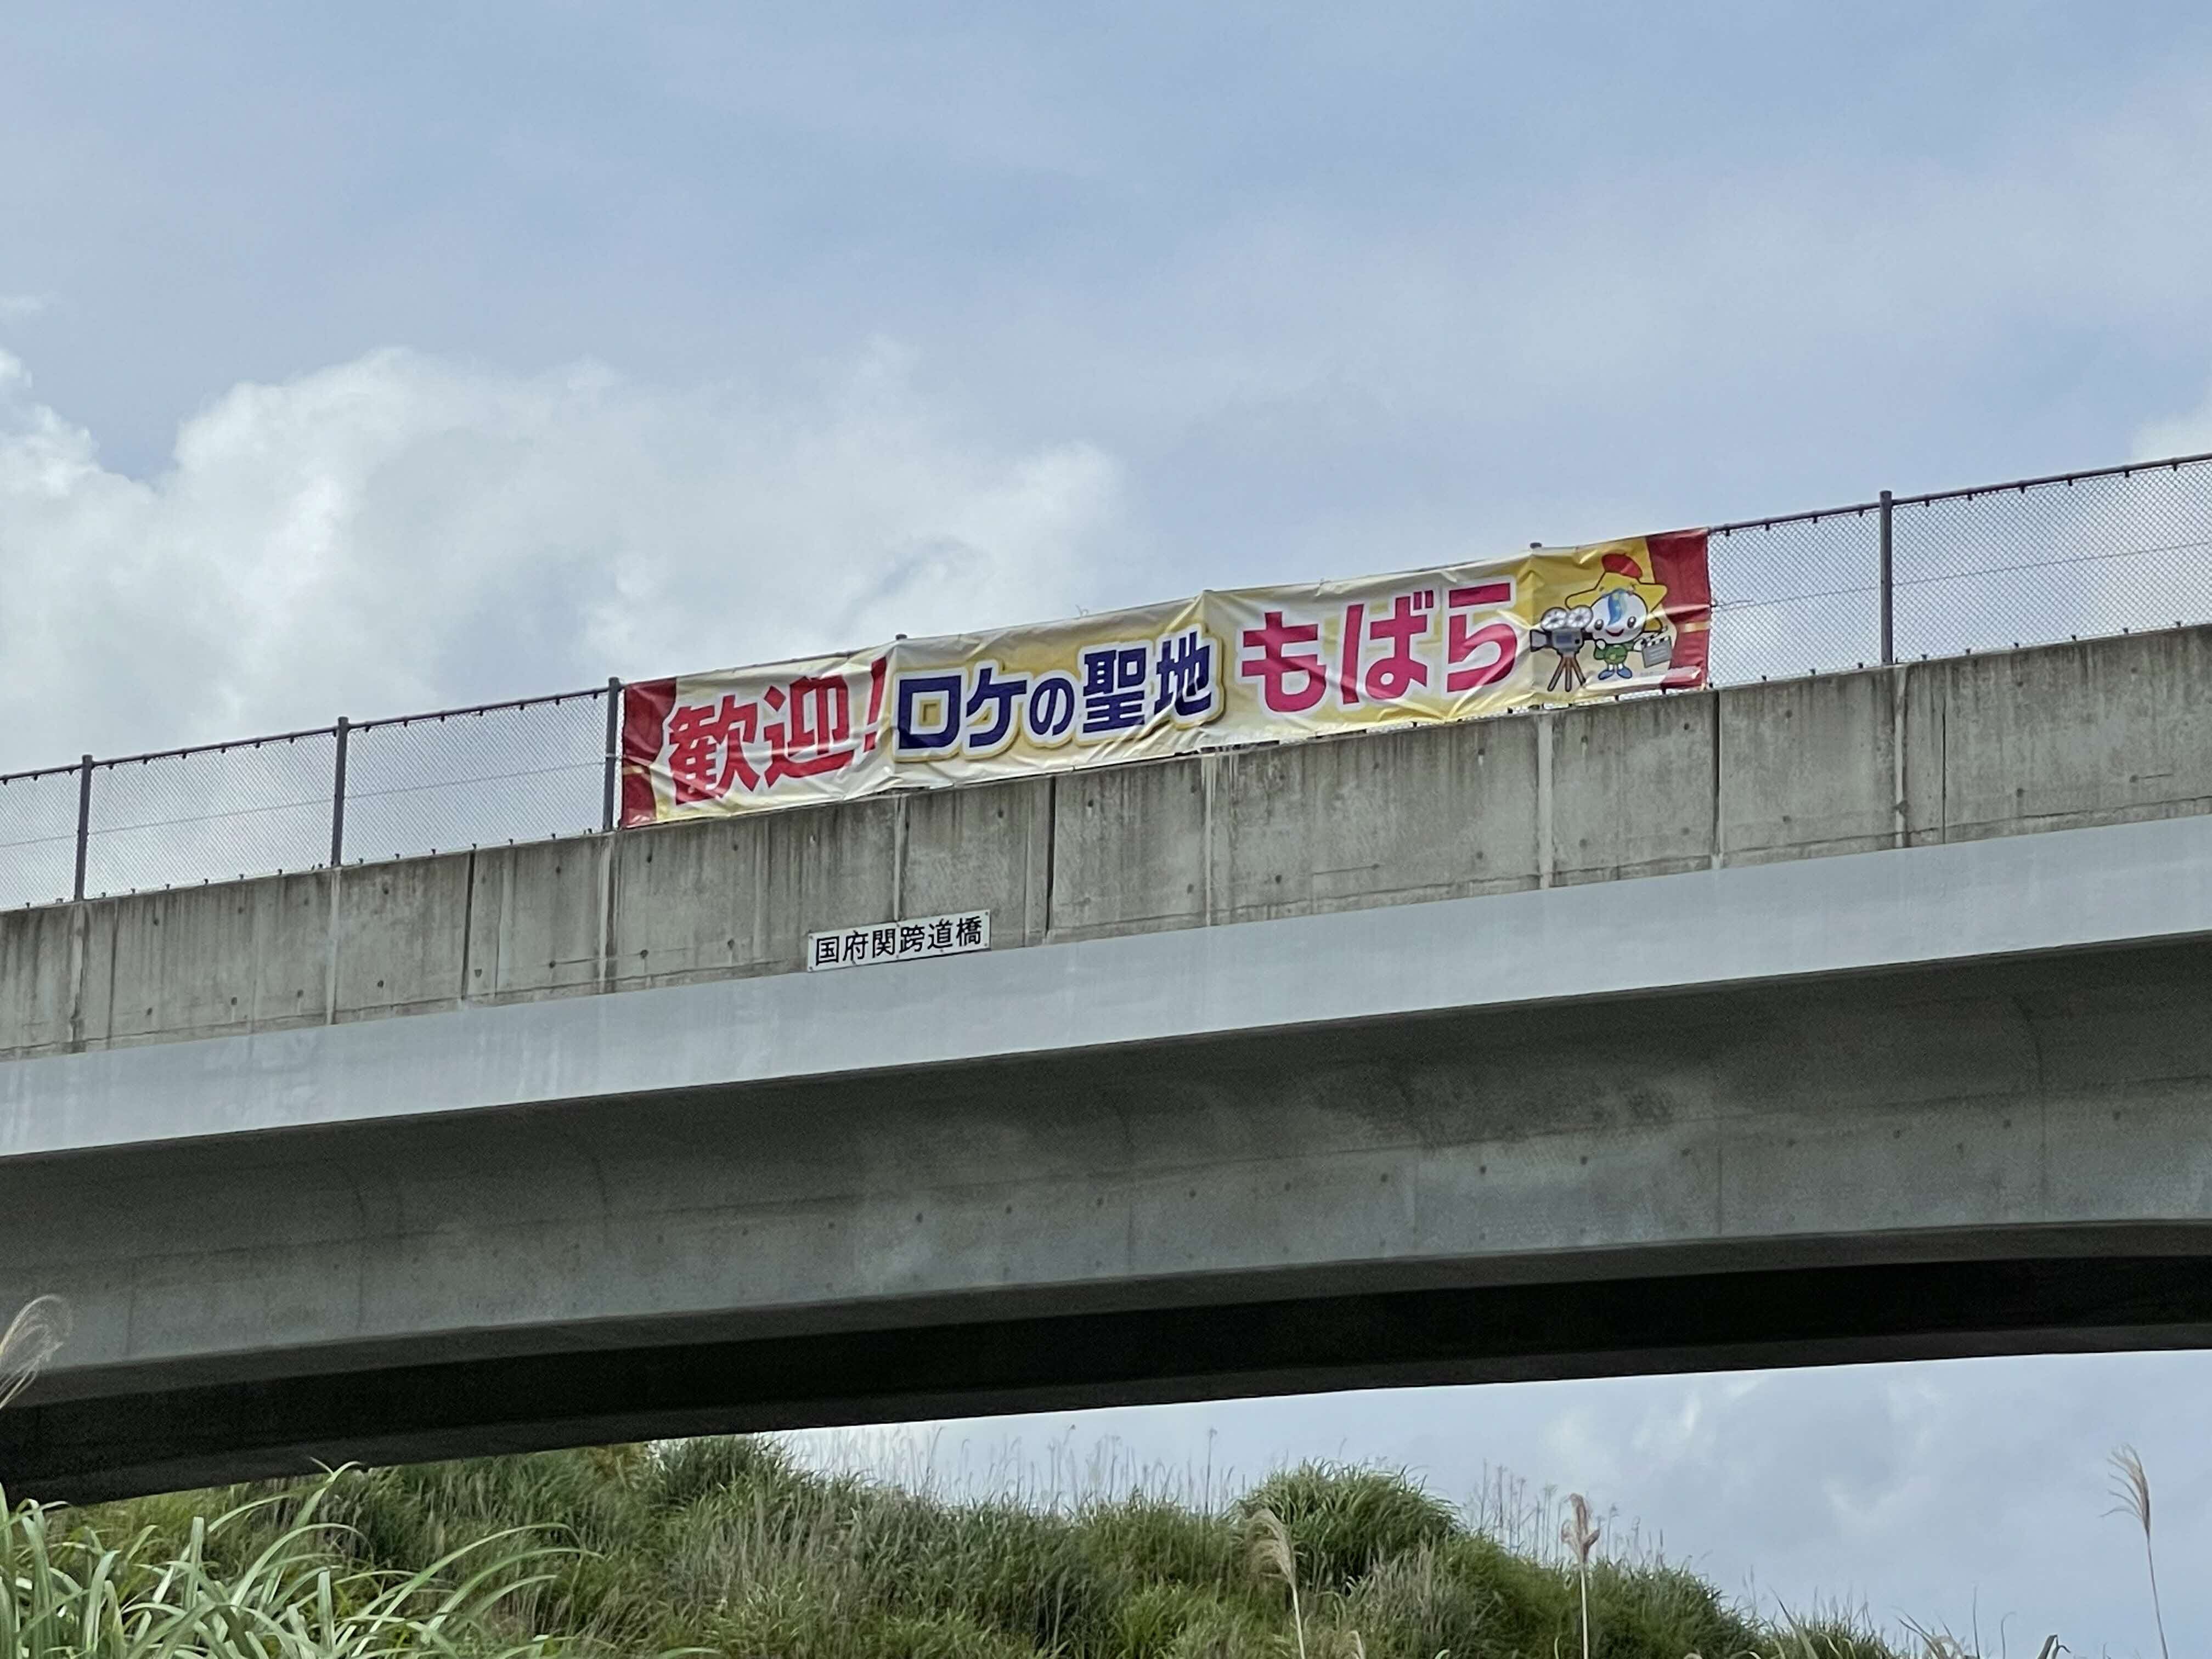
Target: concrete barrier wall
<point>2100,731</point>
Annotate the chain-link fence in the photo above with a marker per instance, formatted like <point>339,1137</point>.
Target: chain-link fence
<point>1985,569</point>
<point>529,770</point>
<point>2043,559</point>
<point>210,814</point>
<point>38,836</point>
<point>1795,596</point>
<point>519,771</point>
<point>2069,556</point>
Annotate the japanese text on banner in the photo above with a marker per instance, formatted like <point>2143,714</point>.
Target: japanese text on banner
<point>1555,625</point>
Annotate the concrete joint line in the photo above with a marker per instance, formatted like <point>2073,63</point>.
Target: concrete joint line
<point>1545,722</point>
<point>1208,773</point>
<point>605,871</point>
<point>1719,789</point>
<point>468,928</point>
<point>1899,689</point>
<point>899,810</point>
<point>331,948</point>
<point>80,966</point>
<point>1051,856</point>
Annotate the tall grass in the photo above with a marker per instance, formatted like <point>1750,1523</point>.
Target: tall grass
<point>2131,1485</point>
<point>1579,1535</point>
<point>733,1547</point>
<point>266,1577</point>
<point>1273,1556</point>
<point>71,1590</point>
<point>32,1337</point>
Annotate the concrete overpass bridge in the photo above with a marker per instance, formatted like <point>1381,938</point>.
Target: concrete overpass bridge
<point>1859,1016</point>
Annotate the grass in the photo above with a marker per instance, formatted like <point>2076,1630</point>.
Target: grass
<point>30,1338</point>
<point>730,1546</point>
<point>70,1589</point>
<point>2131,1487</point>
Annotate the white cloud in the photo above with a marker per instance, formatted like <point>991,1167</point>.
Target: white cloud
<point>400,532</point>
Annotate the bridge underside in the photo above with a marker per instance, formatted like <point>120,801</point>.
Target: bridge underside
<point>2083,1292</point>
<point>1980,1157</point>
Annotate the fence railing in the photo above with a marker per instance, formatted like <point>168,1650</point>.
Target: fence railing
<point>2071,555</point>
<point>533,768</point>
<point>2074,555</point>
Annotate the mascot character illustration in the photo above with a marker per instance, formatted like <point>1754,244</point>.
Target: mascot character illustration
<point>1624,612</point>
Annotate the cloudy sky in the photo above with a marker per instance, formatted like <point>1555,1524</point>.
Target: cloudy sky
<point>362,364</point>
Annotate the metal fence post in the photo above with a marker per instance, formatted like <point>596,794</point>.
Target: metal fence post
<point>1889,585</point>
<point>609,782</point>
<point>337,795</point>
<point>83,822</point>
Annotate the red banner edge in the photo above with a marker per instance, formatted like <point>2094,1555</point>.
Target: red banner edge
<point>1679,564</point>
<point>646,707</point>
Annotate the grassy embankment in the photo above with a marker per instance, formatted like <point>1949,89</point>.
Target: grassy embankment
<point>730,1546</point>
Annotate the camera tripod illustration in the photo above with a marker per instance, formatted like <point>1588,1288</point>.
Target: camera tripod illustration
<point>1621,614</point>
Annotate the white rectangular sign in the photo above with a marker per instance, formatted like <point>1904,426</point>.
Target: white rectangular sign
<point>912,941</point>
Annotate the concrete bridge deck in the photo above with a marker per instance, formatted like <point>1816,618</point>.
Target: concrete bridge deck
<point>1845,1018</point>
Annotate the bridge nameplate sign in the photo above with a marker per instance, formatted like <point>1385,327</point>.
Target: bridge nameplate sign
<point>917,938</point>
